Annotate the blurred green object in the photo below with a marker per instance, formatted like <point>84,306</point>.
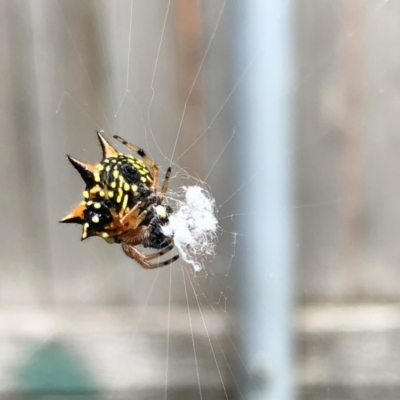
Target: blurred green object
<point>54,369</point>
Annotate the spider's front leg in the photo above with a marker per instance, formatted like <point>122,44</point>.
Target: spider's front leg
<point>164,186</point>
<point>143,260</point>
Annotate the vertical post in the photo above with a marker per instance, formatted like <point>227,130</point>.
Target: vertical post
<point>265,156</point>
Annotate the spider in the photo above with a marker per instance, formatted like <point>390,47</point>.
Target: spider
<point>122,205</point>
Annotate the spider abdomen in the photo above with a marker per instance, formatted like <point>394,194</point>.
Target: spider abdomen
<point>127,181</point>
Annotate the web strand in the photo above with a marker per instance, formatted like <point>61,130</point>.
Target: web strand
<point>220,155</point>
<point>83,65</point>
<point>153,78</point>
<point>168,334</point>
<point>192,333</point>
<point>237,353</point>
<point>100,30</point>
<point>209,338</point>
<point>139,322</point>
<point>128,67</point>
<point>196,77</point>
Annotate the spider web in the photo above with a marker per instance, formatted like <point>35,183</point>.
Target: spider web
<point>202,298</point>
<point>187,123</point>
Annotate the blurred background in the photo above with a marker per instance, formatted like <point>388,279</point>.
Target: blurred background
<point>289,112</point>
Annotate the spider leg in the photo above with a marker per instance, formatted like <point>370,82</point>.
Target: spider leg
<point>134,237</point>
<point>160,253</point>
<point>142,259</point>
<point>127,218</point>
<point>128,222</point>
<point>150,162</point>
<point>165,185</point>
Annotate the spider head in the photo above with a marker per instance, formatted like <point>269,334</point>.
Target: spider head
<point>157,218</point>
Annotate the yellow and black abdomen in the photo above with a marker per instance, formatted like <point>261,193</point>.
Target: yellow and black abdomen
<point>127,181</point>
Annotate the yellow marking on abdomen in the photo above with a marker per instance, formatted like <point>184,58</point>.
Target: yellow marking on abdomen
<point>125,203</point>
<point>120,193</point>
